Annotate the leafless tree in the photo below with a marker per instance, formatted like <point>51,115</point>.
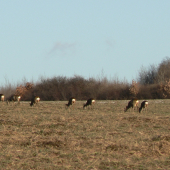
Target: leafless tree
<point>147,75</point>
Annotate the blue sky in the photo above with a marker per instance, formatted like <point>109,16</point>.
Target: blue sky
<point>40,38</point>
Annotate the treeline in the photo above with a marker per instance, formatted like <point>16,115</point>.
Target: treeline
<point>152,83</point>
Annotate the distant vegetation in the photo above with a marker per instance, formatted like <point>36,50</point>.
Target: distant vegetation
<point>152,83</point>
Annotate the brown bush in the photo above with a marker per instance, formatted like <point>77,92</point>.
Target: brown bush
<point>149,92</point>
<point>25,91</point>
<point>62,88</point>
<point>134,88</point>
<point>164,89</point>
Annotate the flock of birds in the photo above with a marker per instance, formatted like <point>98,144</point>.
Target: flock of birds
<point>35,100</point>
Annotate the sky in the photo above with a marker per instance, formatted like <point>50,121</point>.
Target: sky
<point>89,38</point>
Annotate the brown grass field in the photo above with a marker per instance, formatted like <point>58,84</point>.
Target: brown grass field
<point>49,136</point>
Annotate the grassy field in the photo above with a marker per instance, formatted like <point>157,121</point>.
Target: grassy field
<point>48,136</point>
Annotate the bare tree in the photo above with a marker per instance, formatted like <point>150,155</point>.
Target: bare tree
<point>148,75</point>
<point>163,73</point>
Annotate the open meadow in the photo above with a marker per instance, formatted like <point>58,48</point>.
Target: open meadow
<point>49,136</point>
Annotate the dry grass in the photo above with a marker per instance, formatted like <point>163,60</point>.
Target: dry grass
<point>48,136</point>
